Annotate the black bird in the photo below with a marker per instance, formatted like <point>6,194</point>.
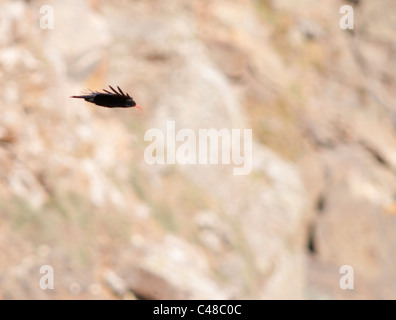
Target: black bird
<point>110,99</point>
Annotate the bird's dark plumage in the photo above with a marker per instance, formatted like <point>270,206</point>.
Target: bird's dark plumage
<point>110,99</point>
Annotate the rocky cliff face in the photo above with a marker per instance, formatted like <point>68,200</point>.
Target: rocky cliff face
<point>77,193</point>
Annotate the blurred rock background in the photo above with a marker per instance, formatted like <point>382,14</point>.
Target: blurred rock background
<point>76,193</point>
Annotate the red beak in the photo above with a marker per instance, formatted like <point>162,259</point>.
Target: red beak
<point>137,106</point>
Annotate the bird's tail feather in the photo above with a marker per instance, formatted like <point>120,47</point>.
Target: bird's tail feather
<point>81,97</point>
